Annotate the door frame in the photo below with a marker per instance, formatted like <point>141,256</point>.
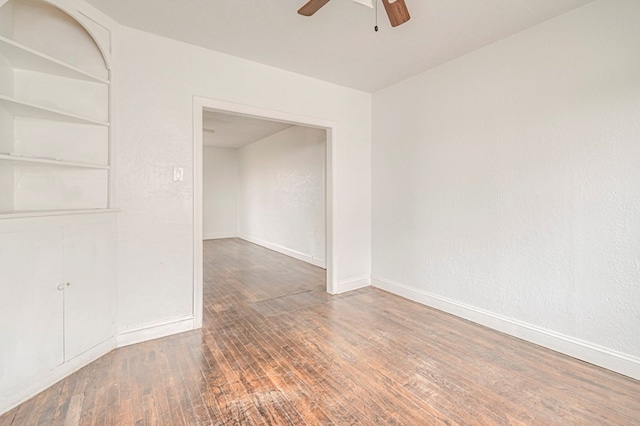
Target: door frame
<point>200,104</point>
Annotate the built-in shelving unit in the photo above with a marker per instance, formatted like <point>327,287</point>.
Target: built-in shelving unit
<point>49,213</point>
<point>58,229</point>
<point>50,161</point>
<point>54,113</point>
<point>26,109</point>
<point>23,57</point>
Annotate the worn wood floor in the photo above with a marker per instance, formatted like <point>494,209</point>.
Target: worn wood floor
<point>275,349</point>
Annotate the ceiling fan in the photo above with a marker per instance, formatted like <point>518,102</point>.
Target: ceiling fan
<point>396,9</point>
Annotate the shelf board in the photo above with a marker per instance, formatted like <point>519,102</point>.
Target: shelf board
<point>18,214</point>
<point>23,57</point>
<point>27,109</point>
<point>50,161</point>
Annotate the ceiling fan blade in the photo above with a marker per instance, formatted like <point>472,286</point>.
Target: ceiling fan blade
<point>311,7</point>
<point>396,11</point>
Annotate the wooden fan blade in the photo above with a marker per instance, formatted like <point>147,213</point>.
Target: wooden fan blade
<point>396,11</point>
<point>311,7</point>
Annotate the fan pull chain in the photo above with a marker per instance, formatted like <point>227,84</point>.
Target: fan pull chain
<point>375,2</point>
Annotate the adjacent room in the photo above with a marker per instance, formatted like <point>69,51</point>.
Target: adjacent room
<point>264,182</point>
<point>319,212</point>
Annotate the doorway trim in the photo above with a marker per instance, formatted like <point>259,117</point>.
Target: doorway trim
<point>200,104</point>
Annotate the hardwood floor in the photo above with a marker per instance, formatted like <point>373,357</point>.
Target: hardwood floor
<point>275,349</point>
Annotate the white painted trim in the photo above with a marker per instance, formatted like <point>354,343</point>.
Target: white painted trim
<point>284,250</point>
<point>576,348</point>
<point>198,227</point>
<point>44,381</point>
<point>218,236</point>
<point>49,213</point>
<point>80,13</point>
<point>199,105</point>
<point>354,284</point>
<point>331,209</point>
<point>155,331</point>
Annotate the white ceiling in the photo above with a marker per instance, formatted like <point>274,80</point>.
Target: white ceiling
<point>235,131</point>
<point>338,43</point>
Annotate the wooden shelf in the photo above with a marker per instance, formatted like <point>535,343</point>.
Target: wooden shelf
<point>18,214</point>
<point>26,109</point>
<point>50,161</point>
<point>23,57</point>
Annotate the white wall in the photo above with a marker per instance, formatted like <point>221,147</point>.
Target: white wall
<point>282,193</point>
<point>155,84</point>
<point>506,185</point>
<point>220,193</point>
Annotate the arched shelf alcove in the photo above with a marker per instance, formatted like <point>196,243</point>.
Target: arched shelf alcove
<point>54,109</point>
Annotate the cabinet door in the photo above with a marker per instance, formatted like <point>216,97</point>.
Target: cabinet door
<point>31,319</point>
<point>89,275</point>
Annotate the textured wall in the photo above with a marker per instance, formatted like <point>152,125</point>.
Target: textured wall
<point>282,192</point>
<point>155,84</point>
<point>508,180</point>
<point>220,193</point>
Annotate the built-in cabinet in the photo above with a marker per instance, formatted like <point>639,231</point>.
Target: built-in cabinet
<point>88,285</point>
<point>57,294</point>
<point>57,219</point>
<point>31,317</point>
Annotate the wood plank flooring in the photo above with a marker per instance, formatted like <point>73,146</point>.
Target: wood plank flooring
<point>275,349</point>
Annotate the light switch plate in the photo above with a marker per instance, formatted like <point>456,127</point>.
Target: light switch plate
<point>178,174</point>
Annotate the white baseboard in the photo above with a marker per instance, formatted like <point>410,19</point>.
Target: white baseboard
<point>576,348</point>
<point>218,236</point>
<point>155,330</point>
<point>286,251</point>
<point>29,390</point>
<point>353,284</point>
<point>124,338</point>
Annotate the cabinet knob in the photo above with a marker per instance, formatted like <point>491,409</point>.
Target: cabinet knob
<point>61,287</point>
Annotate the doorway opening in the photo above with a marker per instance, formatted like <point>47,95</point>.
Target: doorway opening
<point>289,125</point>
